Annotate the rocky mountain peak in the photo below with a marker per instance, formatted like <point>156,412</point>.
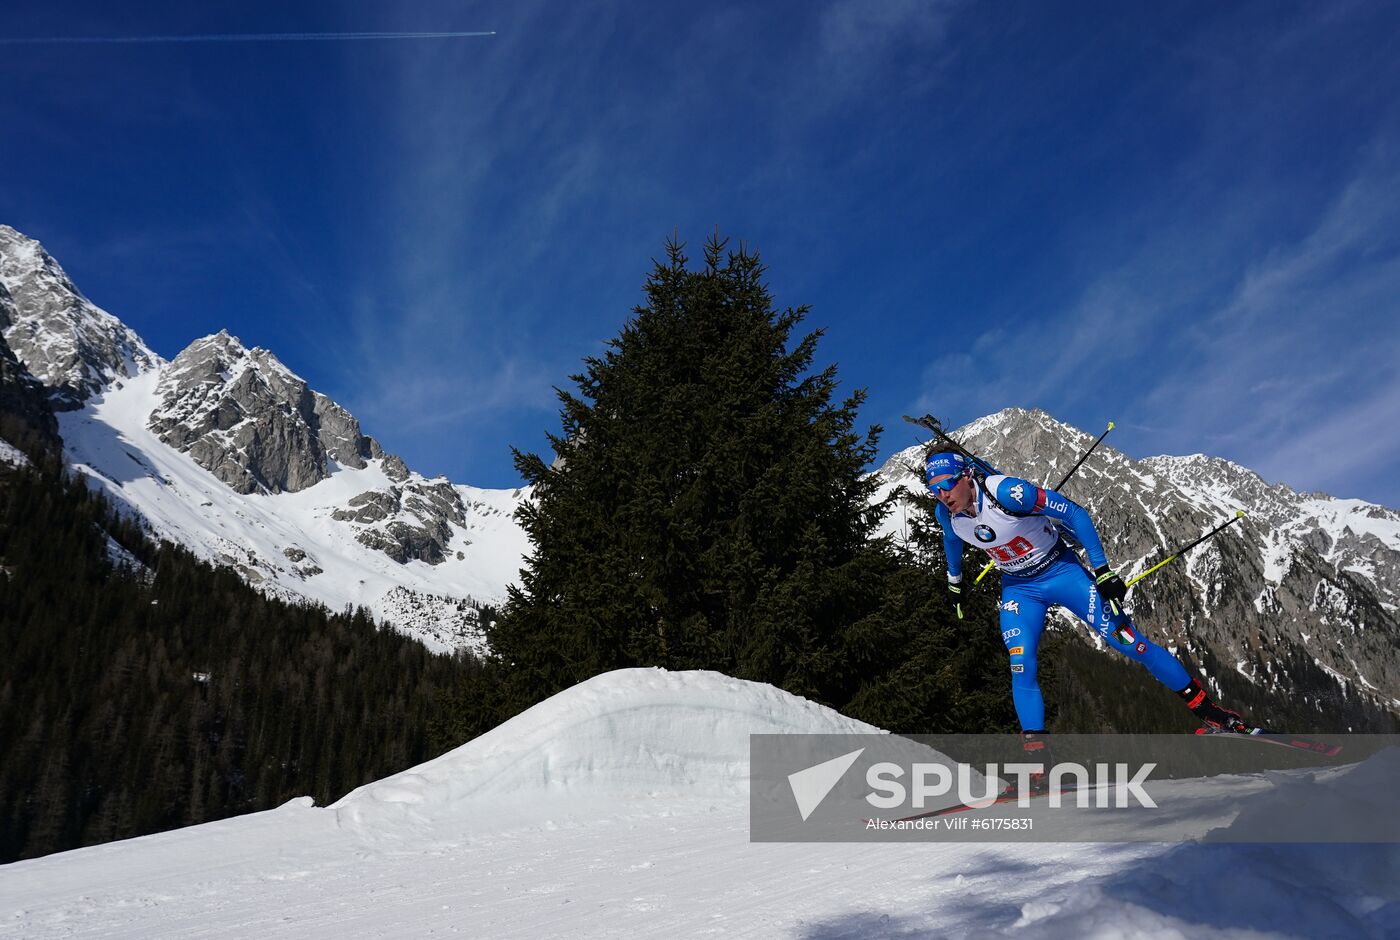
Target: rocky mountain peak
<point>70,345</point>
<point>251,421</point>
<point>243,415</point>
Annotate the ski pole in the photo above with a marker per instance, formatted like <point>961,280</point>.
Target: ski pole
<point>1239,514</point>
<point>1063,480</point>
<point>1092,447</point>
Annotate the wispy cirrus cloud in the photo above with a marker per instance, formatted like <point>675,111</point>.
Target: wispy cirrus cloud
<point>1239,299</point>
<point>535,173</point>
<point>1295,372</point>
<point>1283,362</point>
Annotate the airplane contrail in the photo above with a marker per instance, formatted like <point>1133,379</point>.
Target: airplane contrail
<point>232,37</point>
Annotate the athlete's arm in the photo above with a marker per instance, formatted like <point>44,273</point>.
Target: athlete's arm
<point>952,544</point>
<point>1023,496</point>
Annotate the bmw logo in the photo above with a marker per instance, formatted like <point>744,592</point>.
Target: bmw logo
<point>984,533</point>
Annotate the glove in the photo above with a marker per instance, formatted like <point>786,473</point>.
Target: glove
<point>1111,588</point>
<point>955,589</point>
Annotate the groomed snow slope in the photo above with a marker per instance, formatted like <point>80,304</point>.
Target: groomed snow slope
<point>617,808</point>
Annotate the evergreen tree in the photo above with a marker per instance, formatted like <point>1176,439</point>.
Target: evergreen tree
<point>707,507</point>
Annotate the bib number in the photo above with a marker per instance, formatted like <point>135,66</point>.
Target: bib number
<point>1016,548</point>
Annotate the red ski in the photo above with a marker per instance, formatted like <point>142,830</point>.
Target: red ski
<point>1280,738</point>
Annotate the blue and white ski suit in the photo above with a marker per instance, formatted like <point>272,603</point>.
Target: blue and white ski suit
<point>1038,569</point>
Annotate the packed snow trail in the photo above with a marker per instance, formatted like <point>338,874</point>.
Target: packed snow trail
<point>618,808</point>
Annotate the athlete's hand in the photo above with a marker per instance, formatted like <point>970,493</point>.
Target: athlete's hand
<point>1111,588</point>
<point>956,591</point>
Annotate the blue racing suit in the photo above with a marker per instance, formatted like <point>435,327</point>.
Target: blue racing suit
<point>1038,570</point>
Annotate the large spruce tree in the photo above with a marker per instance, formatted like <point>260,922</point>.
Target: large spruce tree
<point>708,507</point>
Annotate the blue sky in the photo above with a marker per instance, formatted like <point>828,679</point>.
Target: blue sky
<point>1183,218</point>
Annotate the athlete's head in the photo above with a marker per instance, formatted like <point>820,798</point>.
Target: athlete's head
<point>948,477</point>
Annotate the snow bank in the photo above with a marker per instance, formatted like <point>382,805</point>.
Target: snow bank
<point>630,733</point>
<point>439,850</point>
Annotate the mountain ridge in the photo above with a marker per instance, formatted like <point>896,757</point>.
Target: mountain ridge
<point>227,451</point>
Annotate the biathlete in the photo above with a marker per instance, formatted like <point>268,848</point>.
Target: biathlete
<point>1014,522</point>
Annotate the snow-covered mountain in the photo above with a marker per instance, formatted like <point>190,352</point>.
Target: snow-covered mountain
<point>619,808</point>
<point>245,417</point>
<point>228,452</point>
<point>1303,578</point>
<point>75,348</point>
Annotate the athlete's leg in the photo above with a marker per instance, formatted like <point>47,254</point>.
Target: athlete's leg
<point>1070,586</point>
<point>1022,620</point>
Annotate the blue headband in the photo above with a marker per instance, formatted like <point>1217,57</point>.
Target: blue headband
<point>945,463</point>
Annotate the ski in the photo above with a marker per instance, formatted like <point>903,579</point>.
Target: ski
<point>1009,795</point>
<point>1279,738</point>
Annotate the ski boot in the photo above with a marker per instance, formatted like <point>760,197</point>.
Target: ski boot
<point>1037,749</point>
<point>1214,716</point>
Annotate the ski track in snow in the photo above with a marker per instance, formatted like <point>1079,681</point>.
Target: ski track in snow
<point>618,808</point>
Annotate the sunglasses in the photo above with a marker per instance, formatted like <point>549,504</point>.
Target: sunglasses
<point>946,486</point>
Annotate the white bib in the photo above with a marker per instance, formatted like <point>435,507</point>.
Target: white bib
<point>1018,545</point>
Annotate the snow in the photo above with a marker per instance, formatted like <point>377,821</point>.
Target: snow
<point>1277,557</point>
<point>682,734</point>
<point>1362,518</point>
<point>9,454</point>
<point>618,809</point>
<point>122,558</point>
<point>108,439</point>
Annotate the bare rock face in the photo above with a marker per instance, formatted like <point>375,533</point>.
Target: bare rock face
<point>67,343</point>
<point>255,424</point>
<point>1301,579</point>
<point>26,420</point>
<point>408,522</point>
<point>251,421</point>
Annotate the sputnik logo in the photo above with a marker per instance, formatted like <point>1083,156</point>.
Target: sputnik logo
<point>811,786</point>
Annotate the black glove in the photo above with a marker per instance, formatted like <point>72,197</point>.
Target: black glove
<point>1111,588</point>
<point>955,589</point>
